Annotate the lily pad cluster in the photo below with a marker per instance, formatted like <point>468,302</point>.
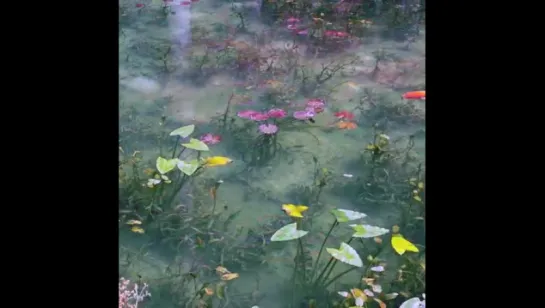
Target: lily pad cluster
<point>345,253</point>
<point>188,167</point>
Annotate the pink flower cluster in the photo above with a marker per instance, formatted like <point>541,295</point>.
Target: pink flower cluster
<point>336,34</point>
<point>313,107</point>
<point>268,129</point>
<point>129,298</point>
<point>210,138</point>
<point>292,24</point>
<point>253,115</point>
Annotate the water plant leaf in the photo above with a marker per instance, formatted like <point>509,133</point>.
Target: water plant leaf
<point>288,233</point>
<point>391,296</point>
<point>196,144</point>
<point>411,302</point>
<point>368,231</point>
<point>183,131</point>
<point>417,198</point>
<point>214,161</point>
<point>401,245</point>
<point>136,229</point>
<point>293,210</point>
<point>165,165</point>
<point>381,304</point>
<point>346,215</point>
<point>209,291</point>
<point>134,222</point>
<point>346,254</point>
<point>359,297</point>
<point>229,276</point>
<point>220,290</point>
<point>222,270</point>
<point>188,167</point>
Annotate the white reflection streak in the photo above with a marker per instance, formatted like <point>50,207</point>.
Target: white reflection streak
<point>180,26</point>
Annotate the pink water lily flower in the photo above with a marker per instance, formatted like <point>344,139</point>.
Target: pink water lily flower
<point>304,114</point>
<point>292,20</point>
<point>259,116</point>
<point>247,114</point>
<point>268,129</point>
<point>317,104</point>
<point>210,138</point>
<point>276,113</point>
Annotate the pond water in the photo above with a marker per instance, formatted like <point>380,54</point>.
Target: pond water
<point>360,148</point>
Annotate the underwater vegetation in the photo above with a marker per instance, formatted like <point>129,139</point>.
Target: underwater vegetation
<point>209,212</point>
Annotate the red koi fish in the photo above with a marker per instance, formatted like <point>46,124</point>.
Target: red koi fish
<point>415,95</point>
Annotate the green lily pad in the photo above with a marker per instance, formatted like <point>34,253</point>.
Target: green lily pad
<point>183,131</point>
<point>196,144</point>
<point>346,254</point>
<point>188,167</point>
<point>165,165</point>
<point>288,233</point>
<point>346,215</point>
<point>411,302</point>
<point>368,231</point>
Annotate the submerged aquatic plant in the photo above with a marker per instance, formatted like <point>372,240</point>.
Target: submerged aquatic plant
<point>131,297</point>
<point>164,182</point>
<point>264,147</point>
<point>307,279</point>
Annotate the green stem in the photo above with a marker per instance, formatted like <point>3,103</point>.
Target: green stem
<point>335,223</point>
<point>323,271</point>
<point>302,259</point>
<point>339,276</point>
<point>175,147</point>
<point>333,265</point>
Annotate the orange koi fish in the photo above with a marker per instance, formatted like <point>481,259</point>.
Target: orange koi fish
<point>415,95</point>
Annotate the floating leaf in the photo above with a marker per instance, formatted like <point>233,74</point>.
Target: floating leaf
<point>188,167</point>
<point>220,290</point>
<point>214,161</point>
<point>287,233</point>
<point>368,281</point>
<point>380,303</point>
<point>420,185</point>
<point>400,244</point>
<point>411,302</point>
<point>293,210</point>
<point>196,144</point>
<point>209,291</point>
<point>183,131</point>
<point>378,268</point>
<point>391,296</point>
<point>222,270</point>
<point>229,276</point>
<point>165,165</point>
<point>346,215</point>
<point>359,296</point>
<point>417,198</point>
<point>368,231</point>
<point>134,222</point>
<point>136,229</point>
<point>346,254</point>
